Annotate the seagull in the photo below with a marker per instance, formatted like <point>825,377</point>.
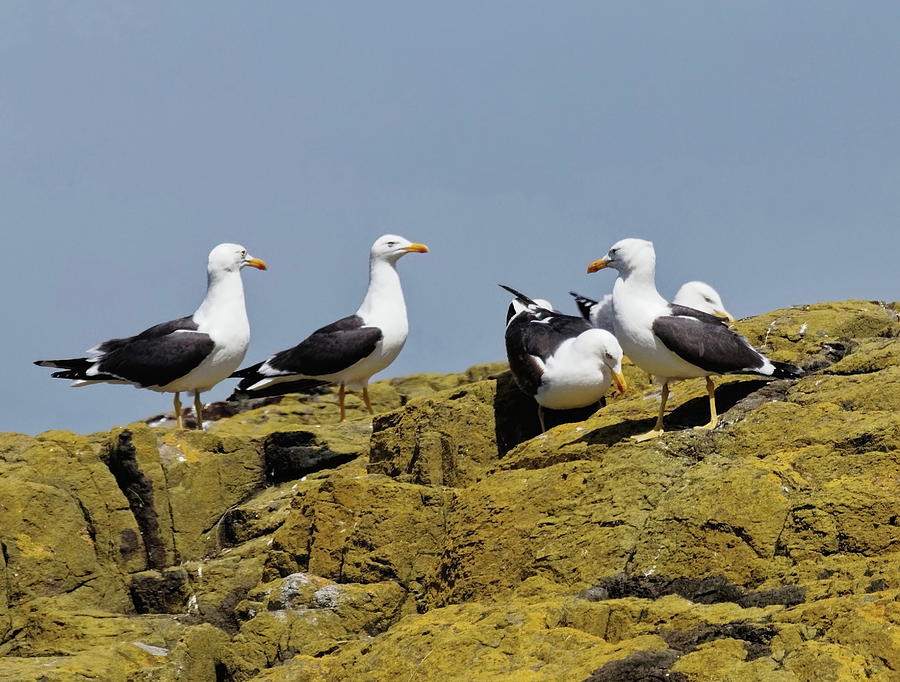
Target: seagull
<point>192,353</point>
<point>697,295</point>
<point>347,352</point>
<point>672,341</point>
<point>701,296</point>
<point>560,360</point>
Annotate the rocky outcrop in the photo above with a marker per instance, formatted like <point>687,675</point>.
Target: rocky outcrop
<point>447,539</point>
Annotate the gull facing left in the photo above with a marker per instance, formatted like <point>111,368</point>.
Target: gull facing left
<point>672,341</point>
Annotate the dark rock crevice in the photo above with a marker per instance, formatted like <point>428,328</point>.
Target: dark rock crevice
<point>711,590</point>
<point>652,665</point>
<point>756,638</point>
<point>121,459</point>
<point>289,455</point>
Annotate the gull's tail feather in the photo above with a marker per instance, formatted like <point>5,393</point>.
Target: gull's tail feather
<point>584,304</point>
<point>783,370</point>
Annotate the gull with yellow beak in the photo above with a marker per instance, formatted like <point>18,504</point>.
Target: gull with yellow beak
<point>347,352</point>
<point>192,353</point>
<point>697,295</point>
<point>672,341</point>
<point>560,360</point>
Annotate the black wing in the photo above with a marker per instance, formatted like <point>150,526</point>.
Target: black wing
<point>155,357</point>
<point>706,341</point>
<point>327,350</point>
<point>156,361</point>
<point>684,311</point>
<point>533,336</point>
<point>525,367</point>
<point>307,386</point>
<point>163,329</point>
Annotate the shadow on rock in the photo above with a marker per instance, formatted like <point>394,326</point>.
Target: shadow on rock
<point>516,414</point>
<point>695,412</point>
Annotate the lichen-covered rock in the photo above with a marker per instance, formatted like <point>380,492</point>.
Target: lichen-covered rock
<point>447,439</point>
<point>314,618</point>
<point>453,437</point>
<point>365,529</point>
<point>799,333</point>
<point>447,539</point>
<point>62,530</point>
<point>289,455</point>
<point>570,522</point>
<point>521,640</point>
<point>321,408</point>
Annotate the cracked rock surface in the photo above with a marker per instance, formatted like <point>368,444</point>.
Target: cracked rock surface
<point>447,539</point>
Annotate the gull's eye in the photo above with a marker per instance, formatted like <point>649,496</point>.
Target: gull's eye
<point>243,254</point>
<point>392,244</point>
<point>707,299</point>
<point>609,357</point>
<point>612,252</point>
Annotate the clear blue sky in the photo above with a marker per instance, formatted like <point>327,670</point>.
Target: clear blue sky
<point>757,144</point>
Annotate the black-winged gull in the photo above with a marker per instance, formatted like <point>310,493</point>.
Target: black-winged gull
<point>560,360</point>
<point>671,341</point>
<point>192,353</point>
<point>697,295</point>
<point>347,352</point>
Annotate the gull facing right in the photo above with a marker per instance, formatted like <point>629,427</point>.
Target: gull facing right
<point>697,295</point>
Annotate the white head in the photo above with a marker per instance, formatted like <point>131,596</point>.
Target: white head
<point>700,296</point>
<point>626,256</point>
<point>231,258</point>
<point>390,247</point>
<point>604,346</point>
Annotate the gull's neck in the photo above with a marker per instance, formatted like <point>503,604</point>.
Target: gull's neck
<point>224,302</point>
<point>639,281</point>
<point>384,297</point>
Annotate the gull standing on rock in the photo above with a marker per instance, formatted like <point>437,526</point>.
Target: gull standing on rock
<point>347,352</point>
<point>560,360</point>
<point>671,341</point>
<point>192,353</point>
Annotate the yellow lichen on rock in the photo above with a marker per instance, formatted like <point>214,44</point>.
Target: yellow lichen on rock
<point>448,539</point>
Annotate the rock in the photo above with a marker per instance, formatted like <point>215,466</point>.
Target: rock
<point>447,538</point>
<point>653,664</point>
<point>289,455</point>
<point>520,639</point>
<point>160,591</point>
<point>365,529</point>
<point>318,619</point>
<point>453,437</point>
<point>321,407</point>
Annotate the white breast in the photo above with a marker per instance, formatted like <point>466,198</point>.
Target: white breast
<point>571,379</point>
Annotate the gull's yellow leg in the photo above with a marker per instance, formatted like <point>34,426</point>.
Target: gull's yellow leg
<point>713,415</point>
<point>179,424</point>
<point>341,402</point>
<point>657,430</point>
<point>198,410</point>
<point>366,399</point>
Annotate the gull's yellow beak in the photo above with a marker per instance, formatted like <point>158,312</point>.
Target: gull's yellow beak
<point>724,314</point>
<point>598,264</point>
<point>416,248</point>
<point>619,381</point>
<point>257,263</point>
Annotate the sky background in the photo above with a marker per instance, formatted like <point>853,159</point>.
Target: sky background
<point>757,144</point>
